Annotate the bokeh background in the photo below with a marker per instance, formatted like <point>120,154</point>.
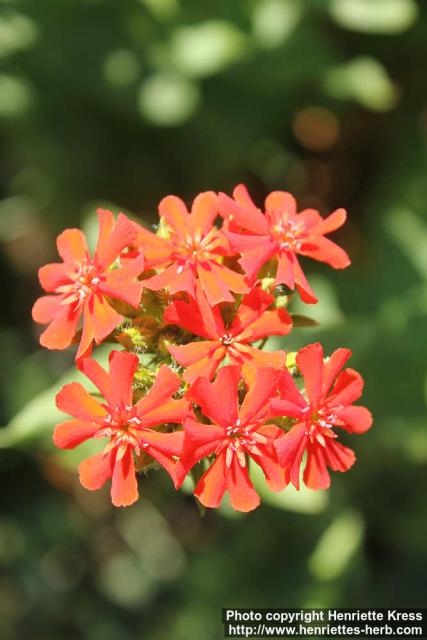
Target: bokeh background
<point>120,103</point>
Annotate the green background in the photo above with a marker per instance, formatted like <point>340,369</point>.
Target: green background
<point>118,103</point>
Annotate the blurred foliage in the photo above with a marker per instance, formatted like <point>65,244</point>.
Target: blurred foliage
<point>121,103</point>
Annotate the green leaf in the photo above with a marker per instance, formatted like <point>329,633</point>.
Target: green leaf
<point>36,420</point>
<point>365,80</point>
<point>274,21</point>
<point>207,48</point>
<point>337,546</point>
<point>374,16</point>
<point>303,321</point>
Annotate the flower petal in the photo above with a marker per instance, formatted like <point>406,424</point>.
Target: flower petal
<point>193,352</point>
<point>165,385</point>
<point>212,485</point>
<point>105,227</point>
<point>281,201</point>
<point>156,250</point>
<point>338,457</point>
<point>268,323</point>
<point>104,318</point>
<point>165,448</point>
<point>273,472</point>
<point>123,366</point>
<point>304,289</point>
<point>243,496</point>
<point>332,367</point>
<point>252,307</point>
<point>169,411</point>
<point>87,337</point>
<point>217,281</point>
<point>186,315</point>
<point>200,441</point>
<point>310,363</point>
<point>54,275</point>
<point>290,449</point>
<point>246,242</point>
<point>256,403</point>
<point>197,317</point>
<point>286,409</point>
<point>110,246</point>
<point>218,400</point>
<point>61,331</point>
<point>254,359</point>
<point>285,273</point>
<point>46,308</point>
<point>316,474</point>
<point>324,250</point>
<point>201,359</point>
<point>242,210</point>
<point>122,284</point>
<point>100,378</point>
<point>124,487</point>
<point>174,211</point>
<point>347,389</point>
<point>310,219</point>
<point>357,419</point>
<point>95,471</point>
<point>71,433</point>
<point>173,280</point>
<point>252,260</point>
<point>290,391</point>
<point>170,444</point>
<point>203,213</point>
<point>77,402</point>
<point>215,289</point>
<point>72,246</point>
<point>334,221</point>
<point>211,315</point>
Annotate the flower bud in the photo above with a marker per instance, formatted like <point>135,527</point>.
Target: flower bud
<point>267,284</point>
<point>291,363</point>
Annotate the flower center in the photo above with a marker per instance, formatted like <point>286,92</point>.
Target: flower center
<point>319,424</point>
<point>239,441</point>
<point>189,249</point>
<point>288,234</point>
<point>86,279</point>
<point>123,431</point>
<point>85,282</point>
<point>226,339</point>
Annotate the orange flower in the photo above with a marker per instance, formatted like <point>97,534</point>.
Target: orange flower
<point>326,405</point>
<point>234,435</point>
<point>281,234</point>
<point>192,252</point>
<point>252,322</point>
<point>82,285</point>
<point>128,427</point>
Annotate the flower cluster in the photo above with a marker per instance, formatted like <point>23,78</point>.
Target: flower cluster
<point>189,387</point>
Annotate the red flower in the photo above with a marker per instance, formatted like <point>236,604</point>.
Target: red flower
<point>233,435</point>
<point>82,285</point>
<point>330,396</point>
<point>281,233</point>
<point>251,323</point>
<point>127,426</point>
<point>193,251</point>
